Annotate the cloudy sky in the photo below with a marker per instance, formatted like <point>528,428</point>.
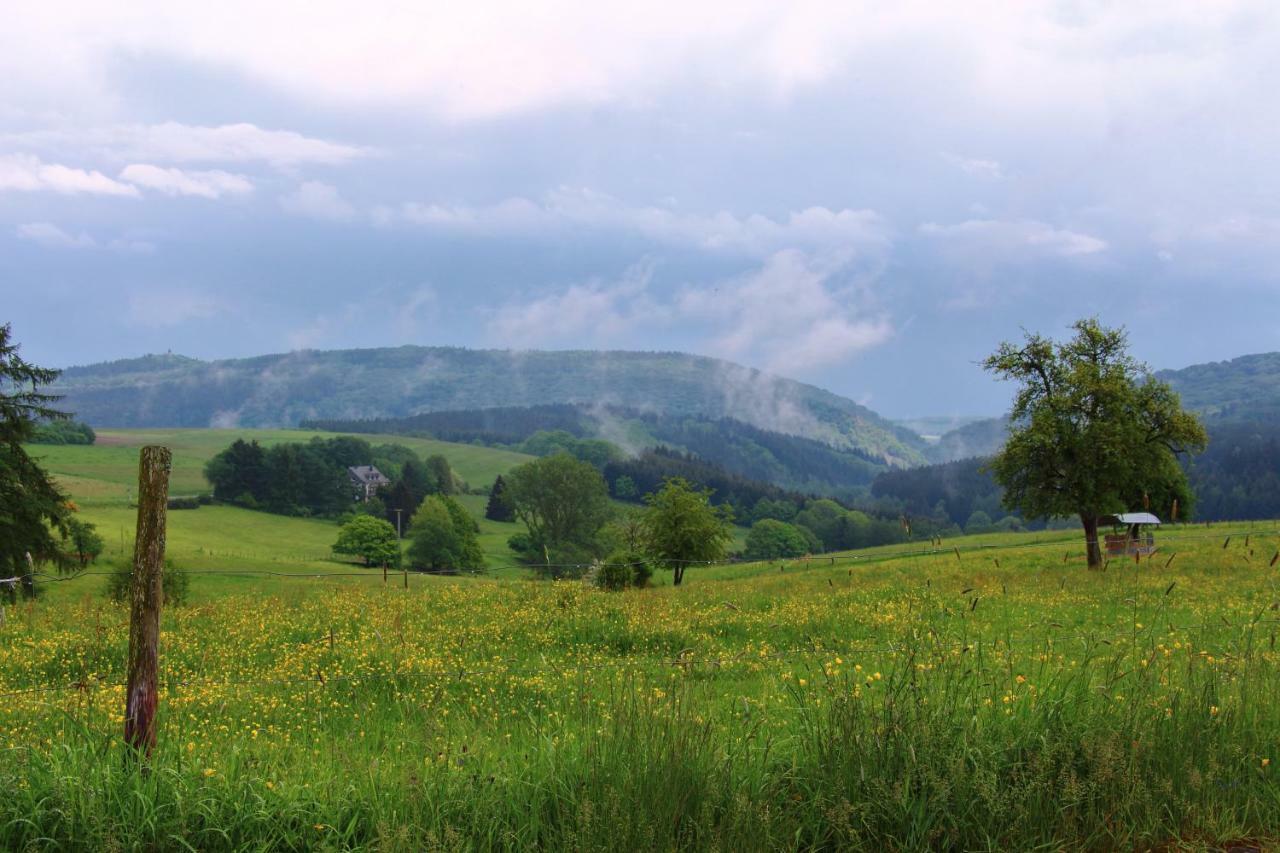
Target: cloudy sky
<point>865,196</point>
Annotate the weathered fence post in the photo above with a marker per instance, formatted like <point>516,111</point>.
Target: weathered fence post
<point>146,598</point>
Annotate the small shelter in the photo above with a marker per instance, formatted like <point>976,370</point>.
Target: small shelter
<point>366,480</point>
<point>1137,538</point>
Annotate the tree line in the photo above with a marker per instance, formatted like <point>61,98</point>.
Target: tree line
<point>311,479</point>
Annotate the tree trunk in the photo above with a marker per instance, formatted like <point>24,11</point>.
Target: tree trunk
<point>146,597</point>
<point>677,575</point>
<point>1092,543</point>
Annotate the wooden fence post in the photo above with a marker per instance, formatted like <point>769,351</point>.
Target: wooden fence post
<point>146,598</point>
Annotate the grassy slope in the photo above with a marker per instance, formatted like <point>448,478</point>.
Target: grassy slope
<point>1025,702</point>
<point>101,478</point>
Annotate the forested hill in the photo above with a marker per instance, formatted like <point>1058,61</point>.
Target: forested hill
<point>282,390</point>
<point>744,450</point>
<point>1242,389</point>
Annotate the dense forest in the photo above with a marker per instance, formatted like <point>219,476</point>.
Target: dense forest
<point>311,479</point>
<point>1236,478</point>
<point>1238,475</point>
<point>748,451</point>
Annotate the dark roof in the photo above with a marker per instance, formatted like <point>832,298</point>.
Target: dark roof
<point>367,474</point>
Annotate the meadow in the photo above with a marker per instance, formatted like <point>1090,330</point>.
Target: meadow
<point>982,693</point>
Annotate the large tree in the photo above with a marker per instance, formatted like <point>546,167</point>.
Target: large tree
<point>445,537</point>
<point>31,505</point>
<point>373,539</point>
<point>1093,432</point>
<point>681,527</point>
<point>563,502</point>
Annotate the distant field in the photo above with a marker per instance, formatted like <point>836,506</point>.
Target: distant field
<point>101,479</point>
<point>114,459</point>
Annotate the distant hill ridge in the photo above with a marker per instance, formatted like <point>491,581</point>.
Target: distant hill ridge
<point>285,389</point>
<point>1244,389</point>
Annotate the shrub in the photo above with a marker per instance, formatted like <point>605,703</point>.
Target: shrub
<point>176,583</point>
<point>184,503</point>
<point>614,572</point>
<point>771,539</point>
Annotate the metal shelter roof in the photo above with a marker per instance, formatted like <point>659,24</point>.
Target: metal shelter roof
<point>1129,518</point>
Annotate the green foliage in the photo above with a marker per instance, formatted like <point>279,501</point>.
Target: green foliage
<point>373,539</point>
<point>781,510</point>
<point>297,478</point>
<point>624,488</point>
<point>564,503</point>
<point>63,432</point>
<point>439,477</point>
<point>1093,432</point>
<point>83,540</point>
<point>444,537</point>
<point>613,573</point>
<point>978,522</point>
<point>499,506</point>
<point>771,539</point>
<point>31,505</point>
<point>682,527</point>
<point>175,582</point>
<point>593,450</point>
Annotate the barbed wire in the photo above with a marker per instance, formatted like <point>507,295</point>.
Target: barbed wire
<point>935,550</point>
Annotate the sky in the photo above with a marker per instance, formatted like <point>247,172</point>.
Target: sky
<point>866,196</point>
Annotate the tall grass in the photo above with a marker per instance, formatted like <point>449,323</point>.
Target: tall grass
<point>922,703</point>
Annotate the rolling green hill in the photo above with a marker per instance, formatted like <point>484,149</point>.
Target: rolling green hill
<point>102,478</point>
<point>1244,388</point>
<point>282,390</point>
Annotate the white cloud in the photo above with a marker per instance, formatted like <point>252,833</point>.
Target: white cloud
<point>976,166</point>
<point>1017,236</point>
<point>317,200</point>
<point>569,209</point>
<point>173,142</point>
<point>26,173</point>
<point>480,60</point>
<point>160,307</point>
<point>601,312</point>
<point>212,184</point>
<point>50,236</point>
<point>790,316</point>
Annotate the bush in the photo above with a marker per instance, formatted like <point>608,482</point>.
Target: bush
<point>184,503</point>
<point>617,571</point>
<point>771,539</point>
<point>205,499</point>
<point>176,583</point>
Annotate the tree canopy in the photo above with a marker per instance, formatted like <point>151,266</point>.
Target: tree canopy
<point>373,539</point>
<point>31,505</point>
<point>682,527</point>
<point>563,502</point>
<point>771,539</point>
<point>1093,432</point>
<point>444,537</point>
